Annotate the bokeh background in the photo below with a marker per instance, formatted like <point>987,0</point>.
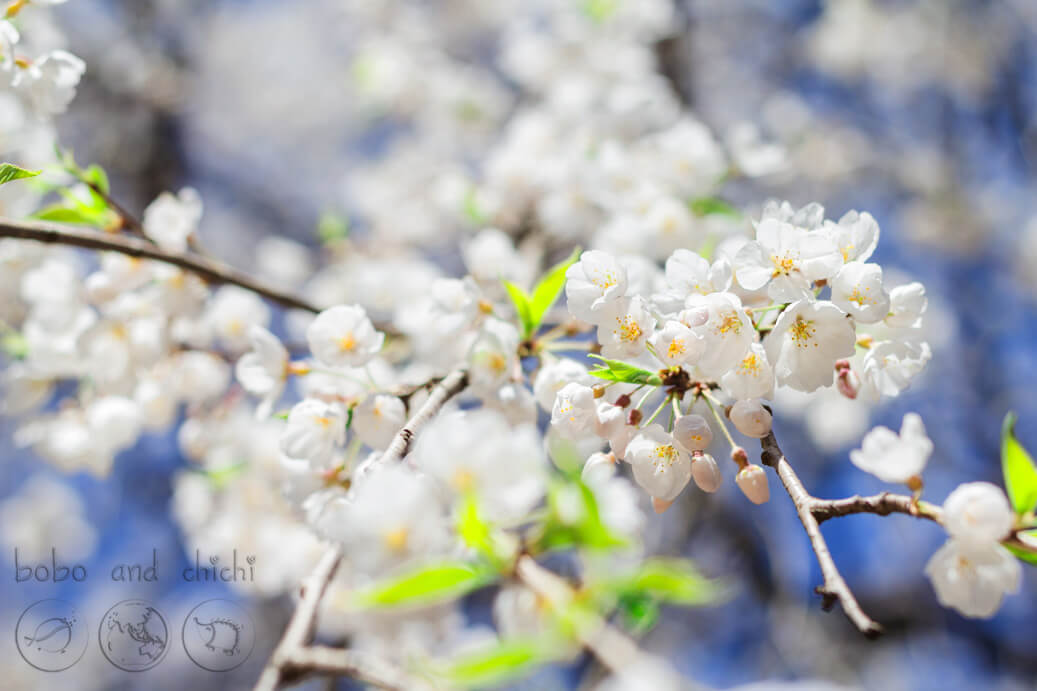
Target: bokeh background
<point>923,113</point>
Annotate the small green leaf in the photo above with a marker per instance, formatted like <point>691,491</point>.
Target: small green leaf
<point>470,207</point>
<point>429,584</point>
<point>713,206</point>
<point>96,176</point>
<point>640,612</point>
<point>617,370</point>
<point>574,519</point>
<point>675,581</point>
<point>506,661</point>
<point>1018,468</point>
<point>549,288</point>
<point>66,214</point>
<point>14,345</point>
<point>1023,550</point>
<point>10,172</point>
<point>522,307</point>
<point>221,477</point>
<point>332,228</point>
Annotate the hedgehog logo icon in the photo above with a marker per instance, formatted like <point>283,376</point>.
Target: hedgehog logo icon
<point>218,635</point>
<point>50,635</point>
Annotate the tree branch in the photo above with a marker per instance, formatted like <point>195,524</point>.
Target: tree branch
<point>451,385</point>
<point>613,648</point>
<point>300,628</point>
<point>293,659</point>
<point>208,269</point>
<point>813,511</point>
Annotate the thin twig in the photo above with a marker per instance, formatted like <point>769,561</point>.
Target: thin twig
<point>300,629</point>
<point>881,504</point>
<point>293,660</point>
<point>834,587</point>
<point>204,267</point>
<point>613,648</point>
<point>129,221</point>
<point>451,385</point>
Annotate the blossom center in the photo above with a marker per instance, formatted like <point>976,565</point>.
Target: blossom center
<point>347,342</point>
<point>628,329</point>
<point>802,332</point>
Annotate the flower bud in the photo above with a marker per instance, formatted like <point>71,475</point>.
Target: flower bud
<point>600,466</point>
<point>848,383</point>
<point>692,433</point>
<point>752,480</point>
<point>751,418</point>
<point>705,472</point>
<point>660,505</point>
<point>623,401</point>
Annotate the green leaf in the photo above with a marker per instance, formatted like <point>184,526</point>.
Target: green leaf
<point>470,207</point>
<point>1018,468</point>
<point>574,519</point>
<point>332,228</point>
<point>14,345</point>
<point>675,581</point>
<point>640,612</point>
<point>1024,549</point>
<point>429,584</point>
<point>522,307</point>
<point>10,172</point>
<point>713,206</point>
<point>617,370</point>
<point>96,176</point>
<point>503,662</point>
<point>66,214</point>
<point>499,547</point>
<point>549,288</point>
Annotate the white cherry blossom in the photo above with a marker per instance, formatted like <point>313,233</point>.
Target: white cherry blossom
<point>976,513</point>
<point>659,465</point>
<point>593,283</point>
<point>624,326</point>
<point>753,377</point>
<point>751,418</point>
<point>907,305</point>
<point>171,220</point>
<point>807,340</point>
<point>377,420</point>
<point>856,235</point>
<point>857,289</point>
<point>895,458</point>
<point>973,579</point>
<point>313,431</point>
<point>262,370</point>
<point>786,259</point>
<point>574,414</point>
<point>344,336</point>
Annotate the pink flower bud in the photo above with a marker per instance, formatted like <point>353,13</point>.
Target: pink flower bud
<point>848,383</point>
<point>752,480</point>
<point>660,505</point>
<point>706,473</point>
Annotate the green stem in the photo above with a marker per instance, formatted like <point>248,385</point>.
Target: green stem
<point>720,420</point>
<point>656,413</point>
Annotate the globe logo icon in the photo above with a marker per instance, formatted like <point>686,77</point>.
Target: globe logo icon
<point>133,635</point>
<point>51,635</point>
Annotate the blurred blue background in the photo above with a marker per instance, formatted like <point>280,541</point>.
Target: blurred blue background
<point>933,132</point>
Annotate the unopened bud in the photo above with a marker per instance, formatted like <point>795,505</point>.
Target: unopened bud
<point>848,383</point>
<point>752,480</point>
<point>706,472</point>
<point>751,418</point>
<point>660,505</point>
<point>599,391</point>
<point>623,401</point>
<point>739,456</point>
<point>599,467</point>
<point>842,365</point>
<point>634,417</point>
<point>692,433</point>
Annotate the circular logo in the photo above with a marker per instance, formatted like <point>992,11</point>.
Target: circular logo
<point>51,636</point>
<point>218,635</point>
<point>133,635</point>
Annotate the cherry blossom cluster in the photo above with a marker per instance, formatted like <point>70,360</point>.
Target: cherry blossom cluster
<point>798,306</point>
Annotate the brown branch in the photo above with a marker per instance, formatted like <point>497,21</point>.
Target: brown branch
<point>300,628</point>
<point>613,648</point>
<point>451,385</point>
<point>293,659</point>
<point>209,269</point>
<point>813,511</point>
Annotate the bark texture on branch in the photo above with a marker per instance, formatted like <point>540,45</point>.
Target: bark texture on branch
<point>451,385</point>
<point>813,511</point>
<point>209,269</point>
